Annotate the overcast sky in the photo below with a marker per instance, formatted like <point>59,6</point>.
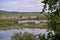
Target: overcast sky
<point>21,5</point>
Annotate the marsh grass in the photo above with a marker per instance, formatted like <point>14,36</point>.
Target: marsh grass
<point>13,23</point>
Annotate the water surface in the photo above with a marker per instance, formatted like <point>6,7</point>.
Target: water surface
<point>6,34</point>
<point>36,21</point>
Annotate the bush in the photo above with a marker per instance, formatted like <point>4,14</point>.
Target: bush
<point>23,36</point>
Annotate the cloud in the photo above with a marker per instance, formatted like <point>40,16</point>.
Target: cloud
<point>23,4</point>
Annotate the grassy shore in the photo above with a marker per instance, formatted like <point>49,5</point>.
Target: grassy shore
<point>13,24</point>
<point>9,20</point>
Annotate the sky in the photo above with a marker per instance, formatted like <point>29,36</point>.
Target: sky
<point>21,5</point>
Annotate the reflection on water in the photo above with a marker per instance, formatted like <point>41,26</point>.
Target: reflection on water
<point>6,35</point>
<point>36,21</point>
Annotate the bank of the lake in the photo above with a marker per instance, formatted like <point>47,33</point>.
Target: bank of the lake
<point>13,24</point>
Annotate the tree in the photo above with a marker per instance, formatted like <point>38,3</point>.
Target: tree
<point>54,16</point>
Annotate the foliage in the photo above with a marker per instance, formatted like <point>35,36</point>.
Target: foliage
<point>54,17</point>
<point>23,36</point>
<point>54,8</point>
<point>42,37</point>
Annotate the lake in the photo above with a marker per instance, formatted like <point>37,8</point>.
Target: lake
<point>36,21</point>
<point>6,34</point>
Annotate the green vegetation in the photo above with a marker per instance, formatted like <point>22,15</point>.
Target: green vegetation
<point>7,13</point>
<point>23,36</point>
<point>13,24</point>
<point>54,18</point>
<point>21,15</point>
<point>9,20</point>
<point>29,36</point>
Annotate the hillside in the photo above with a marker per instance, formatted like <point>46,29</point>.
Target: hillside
<point>7,13</point>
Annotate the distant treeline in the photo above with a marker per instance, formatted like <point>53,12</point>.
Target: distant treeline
<point>22,15</point>
<point>7,13</point>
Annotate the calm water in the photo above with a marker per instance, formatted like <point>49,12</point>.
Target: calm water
<point>36,21</point>
<point>6,34</point>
